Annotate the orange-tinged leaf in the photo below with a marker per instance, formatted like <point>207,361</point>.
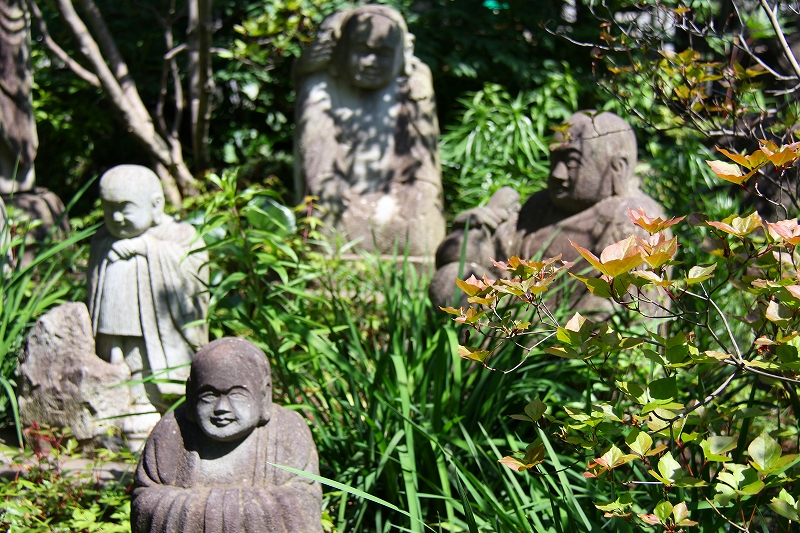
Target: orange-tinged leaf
<point>740,159</point>
<point>453,310</point>
<point>471,285</point>
<point>515,464</point>
<point>620,257</point>
<point>652,277</point>
<point>589,256</point>
<point>785,230</point>
<point>721,168</point>
<point>473,354</point>
<point>739,226</point>
<point>651,225</point>
<point>730,172</point>
<point>794,290</point>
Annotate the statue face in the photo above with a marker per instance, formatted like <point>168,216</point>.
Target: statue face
<point>128,215</point>
<point>228,413</point>
<point>578,176</point>
<point>374,51</point>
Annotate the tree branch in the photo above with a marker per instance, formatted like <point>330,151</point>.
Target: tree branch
<point>776,25</point>
<point>141,127</point>
<point>59,52</point>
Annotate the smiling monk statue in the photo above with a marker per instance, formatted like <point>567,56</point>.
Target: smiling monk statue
<point>590,188</point>
<point>147,290</point>
<point>366,141</point>
<point>208,466</point>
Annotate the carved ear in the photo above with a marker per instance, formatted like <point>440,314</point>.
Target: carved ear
<point>266,411</point>
<point>158,207</point>
<point>619,167</point>
<point>408,54</point>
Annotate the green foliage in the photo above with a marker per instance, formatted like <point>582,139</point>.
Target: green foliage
<point>502,141</point>
<point>710,423</point>
<point>46,497</point>
<point>28,288</point>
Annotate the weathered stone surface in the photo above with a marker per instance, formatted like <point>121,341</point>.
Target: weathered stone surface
<point>206,466</point>
<point>590,189</point>
<point>63,383</point>
<point>18,139</point>
<point>367,133</point>
<point>43,205</point>
<point>145,286</point>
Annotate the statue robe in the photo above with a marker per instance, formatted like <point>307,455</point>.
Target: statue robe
<point>169,496</point>
<point>171,289</point>
<point>542,227</point>
<point>372,159</point>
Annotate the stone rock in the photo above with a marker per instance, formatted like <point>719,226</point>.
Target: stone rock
<point>63,383</point>
<point>590,188</point>
<point>208,466</point>
<point>366,141</point>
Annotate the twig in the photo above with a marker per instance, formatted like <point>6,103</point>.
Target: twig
<point>708,399</point>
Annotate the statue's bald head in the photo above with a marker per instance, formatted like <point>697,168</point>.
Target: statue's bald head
<point>132,200</point>
<point>228,363</point>
<point>131,181</point>
<point>604,134</point>
<point>592,160</point>
<point>374,46</point>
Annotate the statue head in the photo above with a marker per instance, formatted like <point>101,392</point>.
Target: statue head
<point>132,200</point>
<point>593,160</point>
<point>373,46</point>
<point>229,390</point>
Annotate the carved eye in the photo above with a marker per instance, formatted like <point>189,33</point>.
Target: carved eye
<point>208,397</point>
<point>573,163</point>
<point>238,395</point>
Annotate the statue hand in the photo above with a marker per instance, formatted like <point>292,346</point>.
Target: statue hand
<point>480,217</point>
<point>127,248</point>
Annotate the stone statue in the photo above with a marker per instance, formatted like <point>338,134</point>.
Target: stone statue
<point>367,133</point>
<point>589,191</point>
<point>146,288</point>
<point>18,139</point>
<point>208,466</point>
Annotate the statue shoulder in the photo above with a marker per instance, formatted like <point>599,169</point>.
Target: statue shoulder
<point>171,230</point>
<point>292,427</point>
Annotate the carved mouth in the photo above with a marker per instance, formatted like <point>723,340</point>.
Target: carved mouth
<point>222,421</point>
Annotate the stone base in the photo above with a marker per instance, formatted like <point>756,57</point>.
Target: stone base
<point>40,204</point>
<point>62,383</point>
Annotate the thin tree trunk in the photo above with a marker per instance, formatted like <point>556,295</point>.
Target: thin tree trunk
<point>201,85</point>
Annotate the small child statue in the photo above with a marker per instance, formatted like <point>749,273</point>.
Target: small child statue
<point>147,288</point>
<point>209,466</point>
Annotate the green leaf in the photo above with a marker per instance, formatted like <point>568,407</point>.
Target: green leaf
<point>764,452</point>
<point>663,510</point>
<point>639,442</point>
<point>784,509</point>
<point>533,411</point>
<point>665,389</point>
<point>699,273</point>
<point>597,286</point>
<point>620,504</point>
<point>668,468</point>
<point>714,447</point>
